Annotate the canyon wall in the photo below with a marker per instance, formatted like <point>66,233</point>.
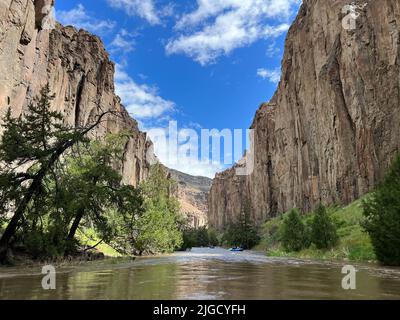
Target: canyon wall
<point>332,127</point>
<point>78,69</point>
<point>192,193</point>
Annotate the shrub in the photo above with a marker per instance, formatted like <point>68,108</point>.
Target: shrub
<point>189,239</point>
<point>272,232</point>
<point>294,236</point>
<point>323,230</point>
<point>212,237</point>
<point>382,213</point>
<point>202,237</point>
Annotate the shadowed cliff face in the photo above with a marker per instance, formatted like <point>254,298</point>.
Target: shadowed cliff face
<point>78,70</point>
<point>332,127</point>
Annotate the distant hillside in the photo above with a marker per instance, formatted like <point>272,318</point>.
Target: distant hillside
<point>193,196</point>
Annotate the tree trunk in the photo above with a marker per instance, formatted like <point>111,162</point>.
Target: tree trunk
<point>75,224</point>
<point>13,224</point>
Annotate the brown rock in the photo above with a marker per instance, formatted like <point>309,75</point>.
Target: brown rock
<point>332,127</point>
<point>78,69</point>
<point>192,193</point>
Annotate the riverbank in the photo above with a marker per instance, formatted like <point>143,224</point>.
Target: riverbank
<point>91,249</point>
<point>354,243</point>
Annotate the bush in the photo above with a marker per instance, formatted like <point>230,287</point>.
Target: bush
<point>294,235</point>
<point>189,239</point>
<point>382,213</point>
<point>212,237</point>
<point>41,245</point>
<point>323,230</point>
<point>272,232</point>
<point>202,237</point>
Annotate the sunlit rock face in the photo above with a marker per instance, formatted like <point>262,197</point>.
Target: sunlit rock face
<point>192,193</point>
<point>332,127</point>
<point>79,72</point>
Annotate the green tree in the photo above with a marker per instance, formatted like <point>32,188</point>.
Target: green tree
<point>199,237</point>
<point>243,232</point>
<point>159,228</point>
<point>202,237</point>
<point>30,147</point>
<point>212,237</point>
<point>96,188</point>
<point>382,213</point>
<point>294,234</point>
<point>189,239</point>
<point>323,230</point>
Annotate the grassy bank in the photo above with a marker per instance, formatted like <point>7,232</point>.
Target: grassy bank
<point>354,244</point>
<point>88,238</point>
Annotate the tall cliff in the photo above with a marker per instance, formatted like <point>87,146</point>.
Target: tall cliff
<point>79,72</point>
<point>332,127</point>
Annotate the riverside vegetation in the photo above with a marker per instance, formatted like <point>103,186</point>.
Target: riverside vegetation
<point>57,186</point>
<point>241,233</point>
<point>366,230</point>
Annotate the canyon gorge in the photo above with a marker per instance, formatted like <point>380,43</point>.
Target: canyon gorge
<point>327,135</point>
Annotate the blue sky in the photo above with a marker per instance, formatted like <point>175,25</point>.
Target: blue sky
<point>203,63</point>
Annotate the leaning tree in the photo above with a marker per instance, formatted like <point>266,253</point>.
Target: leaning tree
<point>30,147</point>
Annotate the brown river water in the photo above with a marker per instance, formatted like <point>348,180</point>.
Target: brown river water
<point>202,274</point>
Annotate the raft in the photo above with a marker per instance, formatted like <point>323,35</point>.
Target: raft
<point>236,249</point>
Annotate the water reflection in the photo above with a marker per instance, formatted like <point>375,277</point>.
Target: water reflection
<point>202,274</point>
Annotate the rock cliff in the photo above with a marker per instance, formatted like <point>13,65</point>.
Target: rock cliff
<point>78,70</point>
<point>192,193</point>
<point>332,127</point>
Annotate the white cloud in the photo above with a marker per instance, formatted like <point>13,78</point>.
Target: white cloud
<point>272,50</point>
<point>218,27</point>
<point>272,75</point>
<point>141,101</point>
<point>79,18</point>
<point>123,43</point>
<point>142,8</point>
<point>190,164</point>
<point>152,112</point>
<point>200,168</point>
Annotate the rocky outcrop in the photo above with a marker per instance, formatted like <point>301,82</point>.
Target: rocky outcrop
<point>79,72</point>
<point>192,193</point>
<point>332,127</point>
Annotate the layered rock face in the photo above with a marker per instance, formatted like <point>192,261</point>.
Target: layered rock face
<point>79,72</point>
<point>332,127</point>
<point>192,193</point>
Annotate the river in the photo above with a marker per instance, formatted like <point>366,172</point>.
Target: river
<point>202,274</point>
